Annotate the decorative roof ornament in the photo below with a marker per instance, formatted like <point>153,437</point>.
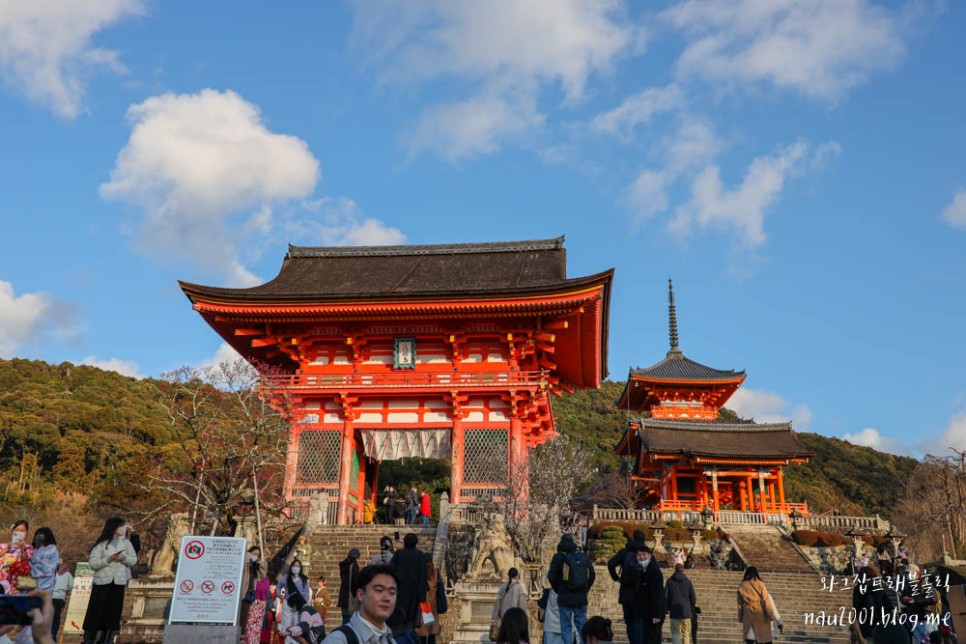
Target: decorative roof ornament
<point>672,321</point>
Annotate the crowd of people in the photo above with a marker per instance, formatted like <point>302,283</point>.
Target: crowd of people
<point>36,565</point>
<point>412,508</point>
<point>398,596</point>
<point>292,611</point>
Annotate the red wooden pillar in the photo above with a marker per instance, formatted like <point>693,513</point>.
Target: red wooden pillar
<point>456,460</point>
<point>292,460</point>
<point>361,496</point>
<point>518,458</point>
<point>345,472</point>
<point>781,490</point>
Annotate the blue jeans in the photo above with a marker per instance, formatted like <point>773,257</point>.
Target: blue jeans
<point>579,617</point>
<point>411,516</point>
<point>552,638</point>
<point>634,625</point>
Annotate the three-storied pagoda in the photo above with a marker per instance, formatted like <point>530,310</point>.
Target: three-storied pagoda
<point>688,458</point>
<point>437,351</point>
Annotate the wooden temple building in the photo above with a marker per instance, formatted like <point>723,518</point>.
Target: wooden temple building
<point>686,456</point>
<point>436,351</point>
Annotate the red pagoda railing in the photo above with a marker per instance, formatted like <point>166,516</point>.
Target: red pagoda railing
<point>406,379</point>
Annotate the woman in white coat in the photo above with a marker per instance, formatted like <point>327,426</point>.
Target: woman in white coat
<point>111,559</point>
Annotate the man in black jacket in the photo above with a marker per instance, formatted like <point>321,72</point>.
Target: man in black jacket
<point>571,576</point>
<point>648,606</point>
<point>681,600</point>
<point>627,577</point>
<point>411,566</point>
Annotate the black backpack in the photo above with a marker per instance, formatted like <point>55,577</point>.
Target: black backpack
<point>576,577</point>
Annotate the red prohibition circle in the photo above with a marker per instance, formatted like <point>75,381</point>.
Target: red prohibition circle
<point>207,586</point>
<point>187,586</point>
<point>194,550</point>
<point>228,587</point>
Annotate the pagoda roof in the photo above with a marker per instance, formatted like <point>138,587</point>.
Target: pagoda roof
<point>676,366</point>
<point>319,274</point>
<point>717,439</point>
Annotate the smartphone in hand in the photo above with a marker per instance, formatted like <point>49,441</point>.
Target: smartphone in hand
<point>15,609</point>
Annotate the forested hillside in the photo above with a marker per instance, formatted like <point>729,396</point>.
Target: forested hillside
<point>80,429</point>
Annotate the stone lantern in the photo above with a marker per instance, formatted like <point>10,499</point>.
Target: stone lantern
<point>657,528</point>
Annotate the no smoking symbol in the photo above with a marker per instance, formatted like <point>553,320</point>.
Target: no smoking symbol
<point>207,586</point>
<point>187,586</point>
<point>194,550</point>
<point>228,588</point>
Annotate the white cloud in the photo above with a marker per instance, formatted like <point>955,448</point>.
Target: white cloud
<point>742,209</point>
<point>638,109</point>
<point>818,48</point>
<point>955,213</point>
<point>225,354</point>
<point>871,437</point>
<point>196,161</point>
<point>123,367</point>
<point>768,407</point>
<point>46,51</point>
<point>692,145</point>
<point>473,127</point>
<point>338,222</point>
<point>954,435</point>
<point>31,317</point>
<point>501,54</point>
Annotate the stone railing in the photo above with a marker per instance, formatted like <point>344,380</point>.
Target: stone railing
<point>731,517</point>
<point>826,522</point>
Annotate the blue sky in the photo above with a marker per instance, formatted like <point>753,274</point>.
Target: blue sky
<point>797,167</point>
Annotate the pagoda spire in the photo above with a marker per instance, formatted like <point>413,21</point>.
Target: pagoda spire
<point>672,321</point>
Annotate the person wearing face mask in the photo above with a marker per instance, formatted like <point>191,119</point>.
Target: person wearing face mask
<point>16,550</point>
<point>297,593</point>
<point>648,605</point>
<point>111,559</point>
<point>254,572</point>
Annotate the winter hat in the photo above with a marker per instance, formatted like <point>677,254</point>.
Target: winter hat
<point>354,553</point>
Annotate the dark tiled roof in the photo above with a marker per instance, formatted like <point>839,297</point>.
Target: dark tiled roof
<point>721,440</point>
<point>321,273</point>
<point>677,367</point>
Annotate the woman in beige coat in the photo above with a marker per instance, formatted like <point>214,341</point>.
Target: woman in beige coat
<point>756,608</point>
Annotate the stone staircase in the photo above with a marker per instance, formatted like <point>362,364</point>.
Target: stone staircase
<point>331,543</point>
<point>795,595</point>
<point>769,549</point>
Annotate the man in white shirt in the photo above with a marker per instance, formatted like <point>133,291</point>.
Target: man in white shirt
<point>376,592</point>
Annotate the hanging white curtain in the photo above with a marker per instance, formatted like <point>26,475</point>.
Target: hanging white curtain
<point>391,444</point>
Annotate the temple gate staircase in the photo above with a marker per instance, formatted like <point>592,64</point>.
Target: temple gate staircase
<point>331,543</point>
<point>795,594</point>
<point>769,549</point>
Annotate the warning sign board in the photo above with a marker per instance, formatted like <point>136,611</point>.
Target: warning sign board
<point>79,598</point>
<point>207,565</point>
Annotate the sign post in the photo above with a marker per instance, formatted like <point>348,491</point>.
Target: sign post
<point>79,598</point>
<point>207,588</point>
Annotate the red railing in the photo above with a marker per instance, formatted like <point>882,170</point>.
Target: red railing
<point>406,379</point>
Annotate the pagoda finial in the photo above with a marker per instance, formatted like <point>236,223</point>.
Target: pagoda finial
<point>672,319</point>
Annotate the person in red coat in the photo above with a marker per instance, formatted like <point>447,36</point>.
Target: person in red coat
<point>425,510</point>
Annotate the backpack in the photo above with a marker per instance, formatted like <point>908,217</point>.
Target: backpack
<point>351,637</point>
<point>313,629</point>
<point>631,572</point>
<point>576,573</point>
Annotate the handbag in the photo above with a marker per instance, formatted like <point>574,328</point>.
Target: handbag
<point>494,631</point>
<point>426,617</point>
<point>249,596</point>
<point>441,604</point>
